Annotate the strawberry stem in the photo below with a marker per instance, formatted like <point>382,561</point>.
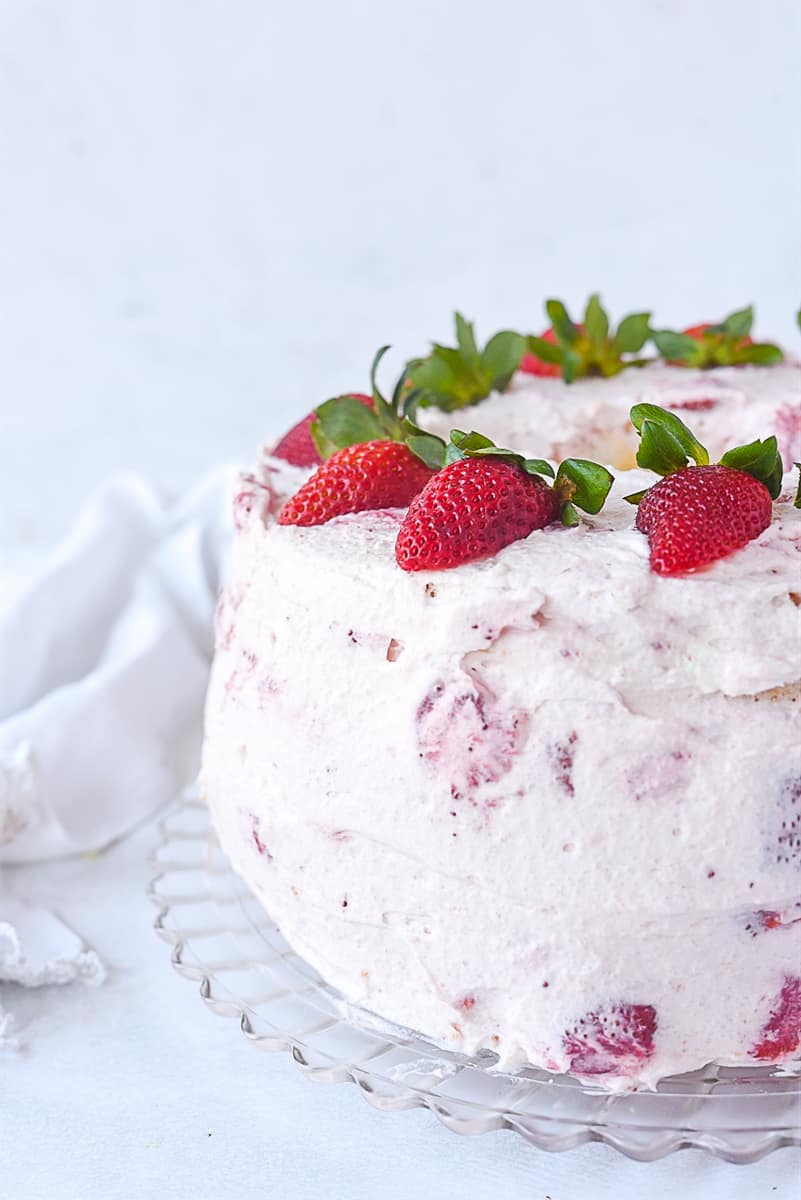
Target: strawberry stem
<point>667,445</point>
<point>453,377</point>
<point>583,484</point>
<point>725,344</point>
<point>593,347</point>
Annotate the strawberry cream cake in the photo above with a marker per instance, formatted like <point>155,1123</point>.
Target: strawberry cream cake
<point>511,750</point>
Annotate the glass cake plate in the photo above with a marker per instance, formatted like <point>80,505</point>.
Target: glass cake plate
<point>223,939</point>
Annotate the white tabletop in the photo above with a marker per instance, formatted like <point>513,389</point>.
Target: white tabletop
<point>210,217</point>
<point>135,1090</point>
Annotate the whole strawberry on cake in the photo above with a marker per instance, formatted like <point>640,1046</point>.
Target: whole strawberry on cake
<point>509,748</point>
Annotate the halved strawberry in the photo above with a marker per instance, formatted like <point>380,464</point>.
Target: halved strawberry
<point>473,509</point>
<point>699,514</point>
<point>466,734</point>
<point>297,445</point>
<point>373,457</point>
<point>590,347</point>
<point>781,1033</point>
<point>377,474</point>
<point>617,1040</point>
<point>726,344</point>
<point>484,498</point>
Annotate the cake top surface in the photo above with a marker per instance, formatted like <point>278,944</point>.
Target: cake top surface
<point>734,627</point>
<point>725,406</point>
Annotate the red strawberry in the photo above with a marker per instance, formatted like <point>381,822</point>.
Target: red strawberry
<point>725,344</point>
<point>377,474</point>
<point>469,734</point>
<point>698,331</point>
<point>297,446</point>
<point>715,341</point>
<point>591,346</point>
<point>532,365</point>
<point>617,1040</point>
<point>700,514</point>
<point>781,1034</point>
<point>472,509</point>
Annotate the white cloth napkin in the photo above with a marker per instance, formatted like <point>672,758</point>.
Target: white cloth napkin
<point>36,948</point>
<point>103,666</point>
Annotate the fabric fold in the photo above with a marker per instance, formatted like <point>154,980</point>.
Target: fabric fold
<point>103,666</point>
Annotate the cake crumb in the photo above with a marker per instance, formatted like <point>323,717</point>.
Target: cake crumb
<point>394,650</point>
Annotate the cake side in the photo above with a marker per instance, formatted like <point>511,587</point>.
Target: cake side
<point>535,804</point>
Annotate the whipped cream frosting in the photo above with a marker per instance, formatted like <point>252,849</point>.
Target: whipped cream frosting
<point>546,804</point>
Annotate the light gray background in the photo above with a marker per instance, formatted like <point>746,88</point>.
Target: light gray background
<point>213,211</point>
<point>210,216</point>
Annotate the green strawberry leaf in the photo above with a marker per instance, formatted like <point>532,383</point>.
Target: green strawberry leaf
<point>453,377</point>
<point>596,322</point>
<point>675,346</point>
<point>465,339</point>
<point>765,354</point>
<point>544,350</point>
<point>666,442</point>
<point>632,333</point>
<point>563,327</point>
<point>636,497</point>
<point>429,448</point>
<point>538,466</point>
<point>473,442</point>
<point>387,415</point>
<point>434,374</point>
<point>405,398</point>
<point>593,347</point>
<point>501,357</point>
<point>578,483</point>
<point>726,344</point>
<point>739,324</point>
<point>760,459</point>
<point>401,393</point>
<point>797,501</point>
<point>344,421</point>
<point>660,450</point>
<point>571,364</point>
<point>476,445</point>
<point>736,325</point>
<point>757,457</point>
<point>584,484</point>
